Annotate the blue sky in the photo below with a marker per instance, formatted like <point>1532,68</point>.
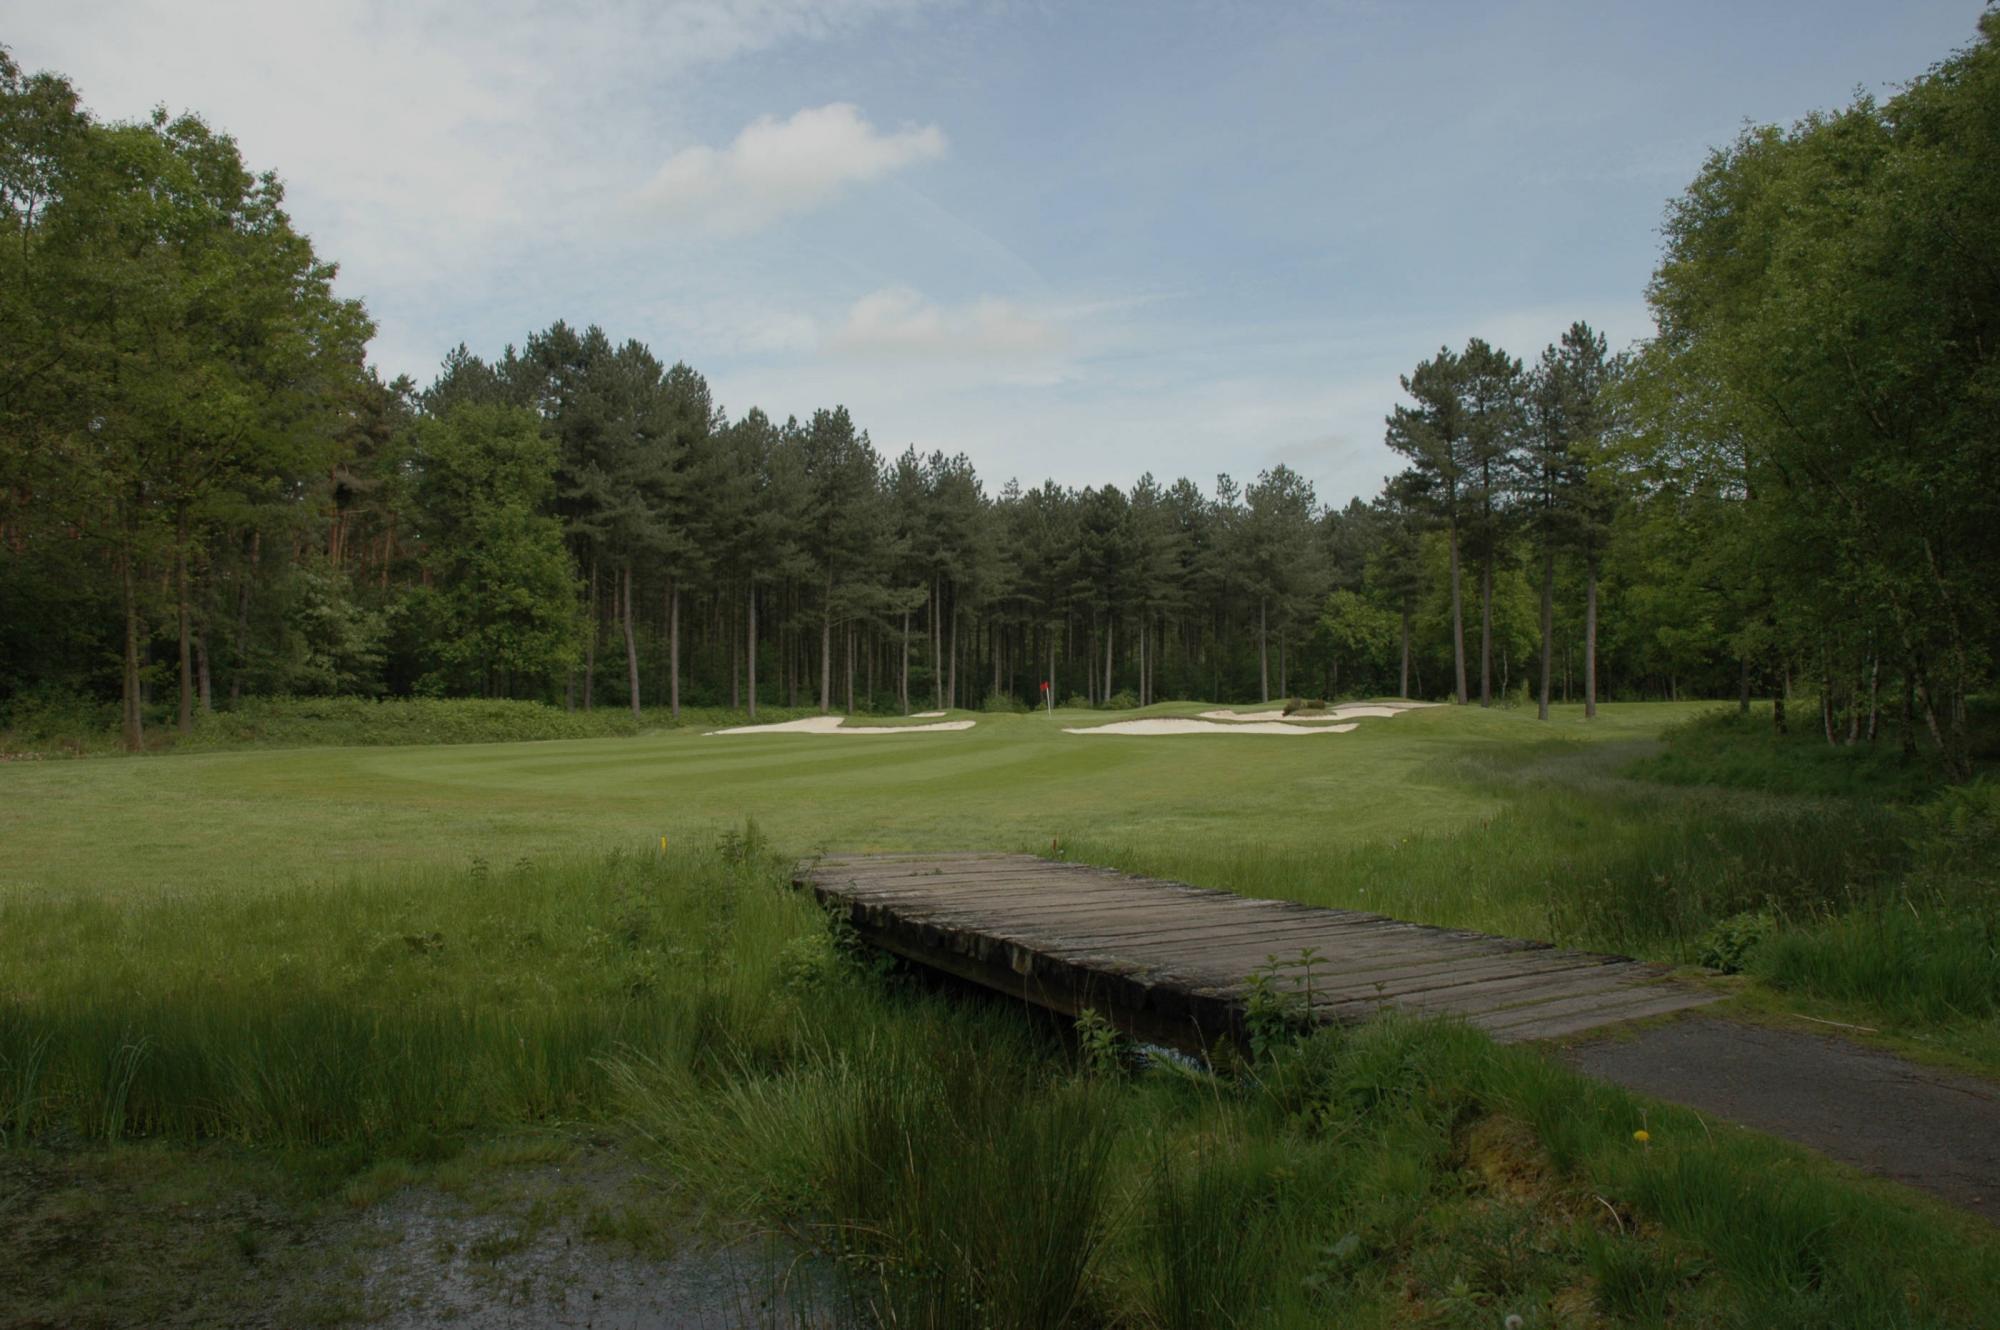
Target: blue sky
<point>1074,240</point>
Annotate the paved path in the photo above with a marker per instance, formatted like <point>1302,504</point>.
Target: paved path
<point>1173,963</point>
<point>1879,1112</point>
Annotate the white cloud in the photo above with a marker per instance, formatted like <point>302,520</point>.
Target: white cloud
<point>896,322</point>
<point>775,167</point>
<point>424,148</point>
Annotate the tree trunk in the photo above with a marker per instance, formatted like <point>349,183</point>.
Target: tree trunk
<point>826,650</point>
<point>1264,648</point>
<point>631,646</point>
<point>1548,628</point>
<point>674,648</point>
<point>1145,690</point>
<point>1590,641</point>
<point>1404,683</point>
<point>241,646</point>
<point>132,717</point>
<point>203,685</point>
<point>937,642</point>
<point>590,642</point>
<point>1743,688</point>
<point>903,688</point>
<point>186,628</point>
<point>1049,696</point>
<point>1909,725</point>
<point>1486,630</point>
<point>1110,641</point>
<point>750,644</point>
<point>1457,616</point>
<point>1874,696</point>
<point>951,685</point>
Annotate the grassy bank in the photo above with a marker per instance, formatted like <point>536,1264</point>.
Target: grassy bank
<point>965,1165</point>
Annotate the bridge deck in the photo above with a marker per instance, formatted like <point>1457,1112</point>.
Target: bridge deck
<point>1172,962</point>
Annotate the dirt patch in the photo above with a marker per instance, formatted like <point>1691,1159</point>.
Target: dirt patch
<point>1881,1113</point>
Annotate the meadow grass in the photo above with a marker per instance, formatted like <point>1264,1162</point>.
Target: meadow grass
<point>963,1163</point>
<point>366,966</point>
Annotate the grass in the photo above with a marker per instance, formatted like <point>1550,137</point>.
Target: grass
<point>318,976</point>
<point>291,818</point>
<point>962,1165</point>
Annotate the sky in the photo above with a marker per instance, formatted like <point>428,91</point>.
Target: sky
<point>1076,241</point>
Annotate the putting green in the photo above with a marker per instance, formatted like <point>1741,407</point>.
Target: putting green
<point>300,816</point>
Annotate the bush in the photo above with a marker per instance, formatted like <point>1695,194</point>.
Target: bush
<point>307,721</point>
<point>1122,700</point>
<point>1728,748</point>
<point>1298,704</point>
<point>1731,943</point>
<point>1003,703</point>
<point>52,717</point>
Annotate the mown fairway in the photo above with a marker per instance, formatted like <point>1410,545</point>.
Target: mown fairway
<point>1015,782</point>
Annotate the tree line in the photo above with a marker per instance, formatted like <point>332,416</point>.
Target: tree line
<point>206,492</point>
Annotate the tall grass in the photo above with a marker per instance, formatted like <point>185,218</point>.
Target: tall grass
<point>963,1164</point>
<point>390,1015</point>
<point>1574,852</point>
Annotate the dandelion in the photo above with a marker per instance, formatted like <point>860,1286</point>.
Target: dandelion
<point>1513,1321</point>
<point>1642,1136</point>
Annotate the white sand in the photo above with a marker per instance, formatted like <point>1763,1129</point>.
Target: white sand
<point>1167,725</point>
<point>1363,712</point>
<point>927,715</point>
<point>839,725</point>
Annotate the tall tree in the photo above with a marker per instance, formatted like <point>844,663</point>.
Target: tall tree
<point>1435,435</point>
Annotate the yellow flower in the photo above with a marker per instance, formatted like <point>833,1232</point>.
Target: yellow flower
<point>1642,1136</point>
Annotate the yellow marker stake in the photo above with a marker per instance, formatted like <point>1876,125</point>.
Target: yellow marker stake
<point>663,845</point>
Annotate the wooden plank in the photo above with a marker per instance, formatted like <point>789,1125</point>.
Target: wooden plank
<point>1173,962</point>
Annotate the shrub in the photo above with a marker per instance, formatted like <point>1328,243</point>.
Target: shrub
<point>1122,700</point>
<point>1006,703</point>
<point>1298,704</point>
<point>1731,943</point>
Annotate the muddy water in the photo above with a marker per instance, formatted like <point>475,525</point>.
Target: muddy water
<point>430,1260</point>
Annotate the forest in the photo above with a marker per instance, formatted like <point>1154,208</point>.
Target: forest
<point>207,492</point>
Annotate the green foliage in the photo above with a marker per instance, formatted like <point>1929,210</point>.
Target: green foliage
<point>1729,749</point>
<point>1004,704</point>
<point>499,618</point>
<point>1103,1046</point>
<point>1731,944</point>
<point>1122,700</point>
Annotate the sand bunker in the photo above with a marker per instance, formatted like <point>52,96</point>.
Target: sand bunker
<point>926,715</point>
<point>1330,715</point>
<point>1168,725</point>
<point>839,725</point>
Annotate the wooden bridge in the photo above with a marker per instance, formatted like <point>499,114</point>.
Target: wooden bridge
<point>1173,963</point>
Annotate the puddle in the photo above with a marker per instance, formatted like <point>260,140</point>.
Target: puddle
<point>431,1260</point>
